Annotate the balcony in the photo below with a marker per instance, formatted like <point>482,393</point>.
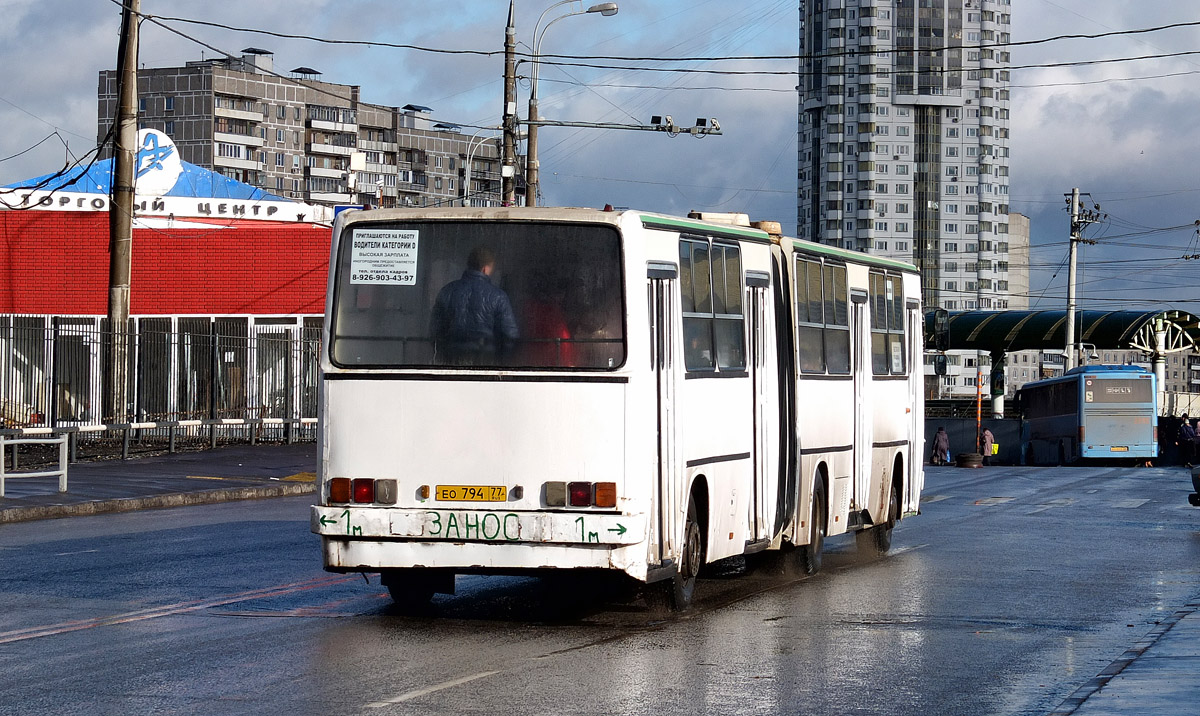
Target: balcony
<point>331,149</point>
<point>249,115</point>
<point>368,145</point>
<point>328,198</point>
<point>245,140</point>
<point>325,172</point>
<point>235,163</point>
<point>328,126</point>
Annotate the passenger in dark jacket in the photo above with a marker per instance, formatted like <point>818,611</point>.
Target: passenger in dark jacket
<point>473,320</point>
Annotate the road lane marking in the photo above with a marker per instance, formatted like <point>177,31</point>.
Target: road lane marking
<point>933,498</point>
<point>167,609</point>
<point>993,500</point>
<point>1131,504</point>
<point>430,689</point>
<point>69,554</point>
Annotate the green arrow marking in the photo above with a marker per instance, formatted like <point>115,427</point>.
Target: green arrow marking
<point>619,529</point>
<point>327,521</point>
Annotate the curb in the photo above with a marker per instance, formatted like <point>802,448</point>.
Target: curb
<point>175,499</point>
<point>1077,699</point>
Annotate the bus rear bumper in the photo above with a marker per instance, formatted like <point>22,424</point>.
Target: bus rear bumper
<point>373,538</point>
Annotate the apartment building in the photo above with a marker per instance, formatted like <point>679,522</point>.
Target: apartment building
<point>303,138</point>
<point>903,139</point>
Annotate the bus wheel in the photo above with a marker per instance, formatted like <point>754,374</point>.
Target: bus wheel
<point>675,593</point>
<point>809,555</point>
<point>414,588</point>
<point>878,539</point>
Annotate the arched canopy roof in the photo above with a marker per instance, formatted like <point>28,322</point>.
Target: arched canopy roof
<point>1008,331</point>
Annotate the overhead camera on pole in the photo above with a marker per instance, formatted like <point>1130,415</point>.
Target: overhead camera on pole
<point>703,127</point>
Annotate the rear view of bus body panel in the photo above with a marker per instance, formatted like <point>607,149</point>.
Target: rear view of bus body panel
<point>515,432</point>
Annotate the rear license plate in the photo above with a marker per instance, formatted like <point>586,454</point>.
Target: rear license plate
<point>1118,448</point>
<point>471,493</point>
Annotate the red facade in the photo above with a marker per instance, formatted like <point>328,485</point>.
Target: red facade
<point>56,262</point>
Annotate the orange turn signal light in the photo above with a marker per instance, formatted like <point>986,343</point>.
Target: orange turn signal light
<point>606,494</point>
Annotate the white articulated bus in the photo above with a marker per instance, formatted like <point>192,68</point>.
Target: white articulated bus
<point>653,394</point>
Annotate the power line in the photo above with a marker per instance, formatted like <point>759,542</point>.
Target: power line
<point>623,58</point>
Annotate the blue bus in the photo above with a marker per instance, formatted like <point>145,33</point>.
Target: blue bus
<point>1090,413</point>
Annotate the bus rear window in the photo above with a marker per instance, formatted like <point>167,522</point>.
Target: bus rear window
<point>478,294</point>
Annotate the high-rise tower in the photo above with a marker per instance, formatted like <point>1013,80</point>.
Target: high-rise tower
<point>903,138</point>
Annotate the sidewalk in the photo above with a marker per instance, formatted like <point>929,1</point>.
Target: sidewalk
<point>1157,675</point>
<point>238,472</point>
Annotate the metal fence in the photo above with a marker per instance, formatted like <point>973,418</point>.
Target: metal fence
<point>210,378</point>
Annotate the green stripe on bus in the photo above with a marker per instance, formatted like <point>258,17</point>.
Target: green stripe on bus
<point>661,223</point>
<point>801,246</point>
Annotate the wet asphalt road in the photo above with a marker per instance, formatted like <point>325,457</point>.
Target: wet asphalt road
<point>1013,588</point>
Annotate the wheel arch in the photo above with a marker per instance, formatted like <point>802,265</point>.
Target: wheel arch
<point>897,482</point>
<point>699,494</point>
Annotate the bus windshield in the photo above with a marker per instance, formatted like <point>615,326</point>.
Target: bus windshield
<point>478,294</point>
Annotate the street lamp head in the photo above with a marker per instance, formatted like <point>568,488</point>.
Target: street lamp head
<point>607,9</point>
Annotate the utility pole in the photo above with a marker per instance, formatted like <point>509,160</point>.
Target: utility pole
<point>120,213</point>
<point>508,152</point>
<point>1080,218</point>
<point>1069,359</point>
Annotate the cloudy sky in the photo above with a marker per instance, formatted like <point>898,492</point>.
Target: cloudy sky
<point>1126,132</point>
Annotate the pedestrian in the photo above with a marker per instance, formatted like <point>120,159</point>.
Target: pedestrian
<point>1186,441</point>
<point>473,322</point>
<point>941,447</point>
<point>988,441</point>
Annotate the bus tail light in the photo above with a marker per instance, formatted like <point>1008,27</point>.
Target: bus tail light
<point>1080,434</point>
<point>364,490</point>
<point>339,489</point>
<point>606,494</point>
<point>580,494</point>
<point>385,492</point>
<point>556,494</point>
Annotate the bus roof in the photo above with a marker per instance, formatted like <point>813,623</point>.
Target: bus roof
<point>1093,369</point>
<point>650,220</point>
<point>1114,371</point>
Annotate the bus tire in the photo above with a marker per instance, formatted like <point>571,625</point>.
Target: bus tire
<point>808,556</point>
<point>878,539</point>
<point>414,588</point>
<point>676,592</point>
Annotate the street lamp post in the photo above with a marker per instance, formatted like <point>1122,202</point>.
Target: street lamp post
<point>475,142</point>
<point>605,9</point>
